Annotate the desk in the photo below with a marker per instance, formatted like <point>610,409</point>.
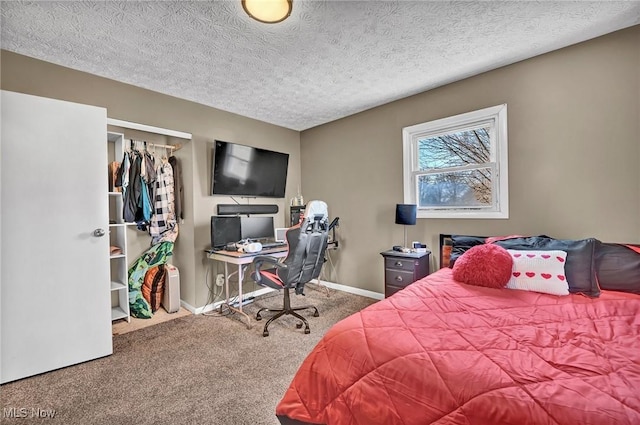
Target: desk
<point>241,259</point>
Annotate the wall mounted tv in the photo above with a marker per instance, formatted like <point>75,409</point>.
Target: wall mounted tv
<point>247,171</point>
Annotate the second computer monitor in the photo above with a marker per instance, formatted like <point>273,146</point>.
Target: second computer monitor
<point>224,230</point>
<point>256,227</point>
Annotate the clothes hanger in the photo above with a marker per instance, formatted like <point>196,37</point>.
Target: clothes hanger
<point>164,157</point>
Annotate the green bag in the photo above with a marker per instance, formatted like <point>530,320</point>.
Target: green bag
<point>154,256</point>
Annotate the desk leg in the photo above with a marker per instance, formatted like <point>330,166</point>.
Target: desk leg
<point>226,288</point>
<point>240,299</point>
<point>240,279</point>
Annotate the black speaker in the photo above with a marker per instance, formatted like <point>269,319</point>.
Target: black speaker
<point>231,209</point>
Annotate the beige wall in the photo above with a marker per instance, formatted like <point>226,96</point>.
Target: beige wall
<point>574,144</point>
<point>126,102</point>
<point>574,138</point>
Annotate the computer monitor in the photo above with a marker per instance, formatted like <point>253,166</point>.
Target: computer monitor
<point>256,227</point>
<point>281,233</point>
<point>224,230</point>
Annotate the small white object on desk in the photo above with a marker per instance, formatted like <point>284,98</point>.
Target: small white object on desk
<point>250,247</point>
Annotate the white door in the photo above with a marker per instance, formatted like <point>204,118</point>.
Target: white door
<point>54,292</point>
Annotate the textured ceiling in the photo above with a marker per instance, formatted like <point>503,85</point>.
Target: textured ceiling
<point>330,59</point>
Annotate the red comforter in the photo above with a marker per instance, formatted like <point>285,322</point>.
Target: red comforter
<point>443,352</point>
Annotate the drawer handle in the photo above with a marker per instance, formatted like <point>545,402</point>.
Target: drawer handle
<point>398,263</point>
<point>399,278</point>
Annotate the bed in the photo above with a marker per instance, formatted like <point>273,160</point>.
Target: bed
<point>446,352</point>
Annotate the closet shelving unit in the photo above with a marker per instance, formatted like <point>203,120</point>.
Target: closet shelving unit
<point>118,237</point>
<point>117,225</point>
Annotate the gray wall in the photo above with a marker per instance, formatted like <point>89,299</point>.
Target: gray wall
<point>574,144</point>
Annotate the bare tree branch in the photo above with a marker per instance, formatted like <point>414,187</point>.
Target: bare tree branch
<point>453,150</point>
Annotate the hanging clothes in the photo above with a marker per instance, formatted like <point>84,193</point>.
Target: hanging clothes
<point>133,192</point>
<point>114,167</point>
<point>125,174</point>
<point>163,226</point>
<point>150,173</point>
<point>137,204</point>
<point>149,176</point>
<point>145,203</point>
<point>149,192</point>
<point>122,175</point>
<point>178,189</point>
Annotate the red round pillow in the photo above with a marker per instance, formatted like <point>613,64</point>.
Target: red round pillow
<point>484,265</point>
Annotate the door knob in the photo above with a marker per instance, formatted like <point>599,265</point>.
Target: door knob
<point>98,233</point>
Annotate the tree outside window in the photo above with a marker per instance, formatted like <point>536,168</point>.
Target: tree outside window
<point>457,166</point>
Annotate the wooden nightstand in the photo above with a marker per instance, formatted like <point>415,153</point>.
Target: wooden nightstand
<point>402,269</point>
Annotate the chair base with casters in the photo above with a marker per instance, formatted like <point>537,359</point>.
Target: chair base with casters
<point>287,309</point>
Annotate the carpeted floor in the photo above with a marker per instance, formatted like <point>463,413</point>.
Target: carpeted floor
<point>191,370</point>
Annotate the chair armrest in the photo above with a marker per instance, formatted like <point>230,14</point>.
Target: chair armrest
<point>270,261</point>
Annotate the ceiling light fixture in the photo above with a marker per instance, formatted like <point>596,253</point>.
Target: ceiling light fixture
<point>268,11</point>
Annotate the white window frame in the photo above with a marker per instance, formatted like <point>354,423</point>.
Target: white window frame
<point>497,117</point>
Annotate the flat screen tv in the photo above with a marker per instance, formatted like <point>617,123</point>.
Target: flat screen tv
<point>247,171</point>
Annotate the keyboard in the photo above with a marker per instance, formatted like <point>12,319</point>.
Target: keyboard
<point>270,245</point>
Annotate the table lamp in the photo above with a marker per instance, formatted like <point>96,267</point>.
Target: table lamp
<point>406,215</point>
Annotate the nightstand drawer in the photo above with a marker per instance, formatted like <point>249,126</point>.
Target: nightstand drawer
<point>398,277</point>
<point>390,290</point>
<point>399,263</point>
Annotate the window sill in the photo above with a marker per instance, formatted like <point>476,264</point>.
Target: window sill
<point>471,215</point>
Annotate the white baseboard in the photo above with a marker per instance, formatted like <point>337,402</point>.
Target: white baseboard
<point>189,307</point>
<point>350,289</point>
<point>357,291</point>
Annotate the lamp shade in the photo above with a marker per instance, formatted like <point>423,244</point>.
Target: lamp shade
<point>406,214</point>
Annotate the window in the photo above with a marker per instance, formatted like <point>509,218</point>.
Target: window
<point>456,167</point>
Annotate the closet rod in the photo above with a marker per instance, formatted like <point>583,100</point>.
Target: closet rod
<point>148,128</point>
<point>172,147</point>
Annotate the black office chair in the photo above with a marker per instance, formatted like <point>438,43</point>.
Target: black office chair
<point>307,243</point>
